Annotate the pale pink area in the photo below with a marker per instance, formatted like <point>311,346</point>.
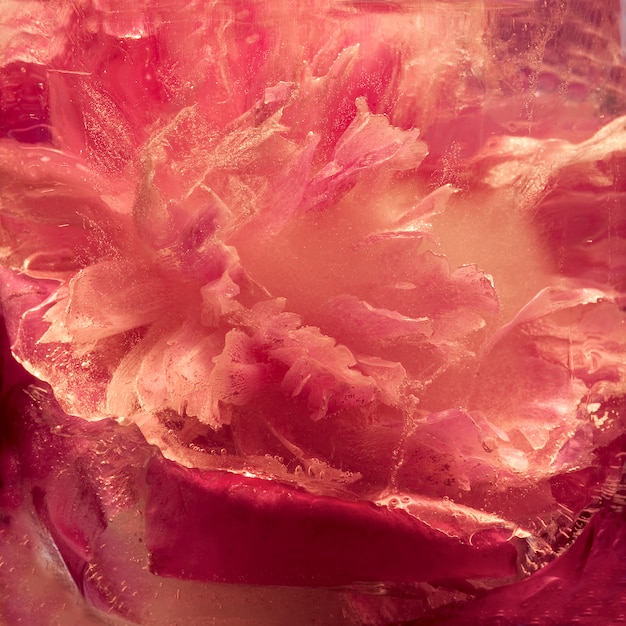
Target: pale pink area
<point>327,296</point>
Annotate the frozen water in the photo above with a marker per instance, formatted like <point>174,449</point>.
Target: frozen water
<point>317,298</point>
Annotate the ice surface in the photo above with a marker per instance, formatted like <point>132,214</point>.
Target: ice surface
<point>326,296</point>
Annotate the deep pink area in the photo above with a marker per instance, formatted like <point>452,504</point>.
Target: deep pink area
<point>217,526</point>
<point>585,586</point>
<point>235,227</point>
<point>586,229</point>
<point>24,112</point>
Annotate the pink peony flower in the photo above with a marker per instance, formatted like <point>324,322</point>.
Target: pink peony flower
<point>317,307</point>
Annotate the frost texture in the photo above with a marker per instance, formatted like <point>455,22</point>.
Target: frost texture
<point>314,268</point>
